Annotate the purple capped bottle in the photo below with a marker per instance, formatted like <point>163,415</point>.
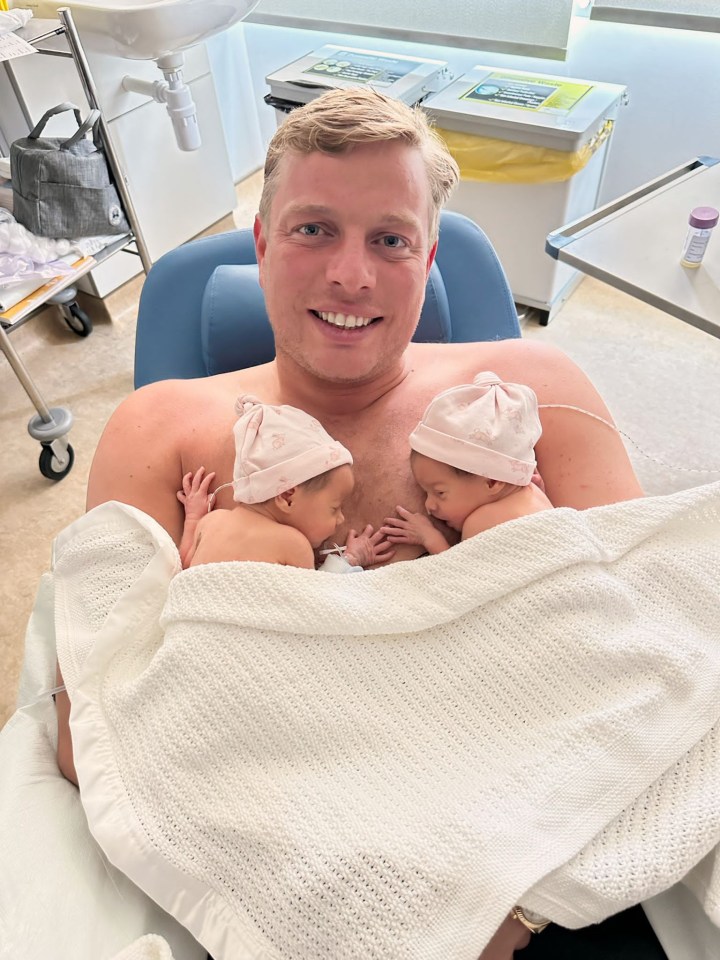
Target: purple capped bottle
<point>701,220</point>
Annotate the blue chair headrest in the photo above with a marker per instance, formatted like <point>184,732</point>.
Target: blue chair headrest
<point>434,325</point>
<point>234,326</point>
<point>236,333</point>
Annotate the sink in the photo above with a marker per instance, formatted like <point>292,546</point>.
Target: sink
<point>138,30</point>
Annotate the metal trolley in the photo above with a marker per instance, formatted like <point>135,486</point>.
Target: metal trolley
<point>50,425</point>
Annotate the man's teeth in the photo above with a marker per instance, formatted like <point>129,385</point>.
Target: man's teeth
<point>344,320</point>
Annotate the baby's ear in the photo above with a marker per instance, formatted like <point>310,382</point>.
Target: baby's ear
<point>284,500</point>
<point>490,483</point>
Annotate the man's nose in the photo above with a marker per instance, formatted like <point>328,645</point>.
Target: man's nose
<point>350,266</point>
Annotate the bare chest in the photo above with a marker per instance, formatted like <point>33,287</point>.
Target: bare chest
<point>381,454</point>
<point>377,437</point>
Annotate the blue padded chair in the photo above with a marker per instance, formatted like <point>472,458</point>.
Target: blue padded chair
<point>202,310</point>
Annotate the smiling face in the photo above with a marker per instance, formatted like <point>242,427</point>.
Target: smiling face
<point>317,511</point>
<point>449,496</point>
<point>345,257</point>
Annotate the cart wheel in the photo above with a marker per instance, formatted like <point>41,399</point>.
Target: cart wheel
<point>49,465</point>
<point>543,317</point>
<point>76,318</point>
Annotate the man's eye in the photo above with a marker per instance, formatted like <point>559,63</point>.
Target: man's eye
<point>310,230</point>
<point>393,242</point>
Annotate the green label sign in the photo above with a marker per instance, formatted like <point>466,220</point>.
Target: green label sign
<point>362,68</point>
<point>528,92</point>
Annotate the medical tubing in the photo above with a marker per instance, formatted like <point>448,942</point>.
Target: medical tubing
<point>594,416</point>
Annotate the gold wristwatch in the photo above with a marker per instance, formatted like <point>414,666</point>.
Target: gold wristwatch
<point>534,922</point>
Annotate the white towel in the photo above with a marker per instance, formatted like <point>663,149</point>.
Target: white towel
<point>310,767</point>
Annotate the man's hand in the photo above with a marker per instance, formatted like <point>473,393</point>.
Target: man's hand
<point>416,528</point>
<point>510,936</point>
<point>194,495</point>
<point>367,548</point>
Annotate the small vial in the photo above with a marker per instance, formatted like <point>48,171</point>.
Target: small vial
<point>701,220</point>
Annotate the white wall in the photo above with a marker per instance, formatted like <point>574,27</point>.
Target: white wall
<point>673,79</point>
<point>236,99</point>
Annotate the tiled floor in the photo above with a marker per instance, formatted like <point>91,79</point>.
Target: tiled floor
<point>659,377</point>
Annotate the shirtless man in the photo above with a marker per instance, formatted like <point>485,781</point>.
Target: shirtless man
<point>345,236</point>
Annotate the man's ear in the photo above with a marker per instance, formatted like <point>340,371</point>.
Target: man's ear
<point>260,245</point>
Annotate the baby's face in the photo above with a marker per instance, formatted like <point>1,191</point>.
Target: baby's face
<point>449,496</point>
<point>319,512</point>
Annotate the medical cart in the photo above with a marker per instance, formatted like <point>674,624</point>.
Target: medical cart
<point>50,425</point>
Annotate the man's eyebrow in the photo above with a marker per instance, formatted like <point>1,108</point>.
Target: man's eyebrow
<point>407,221</point>
<point>309,210</point>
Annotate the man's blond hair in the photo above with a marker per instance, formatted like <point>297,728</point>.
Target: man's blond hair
<point>337,120</point>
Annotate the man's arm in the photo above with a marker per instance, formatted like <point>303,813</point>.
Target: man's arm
<point>138,459</point>
<point>583,462</point>
<point>137,462</point>
<point>65,759</point>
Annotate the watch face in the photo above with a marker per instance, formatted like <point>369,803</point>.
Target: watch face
<point>534,922</point>
<point>533,917</point>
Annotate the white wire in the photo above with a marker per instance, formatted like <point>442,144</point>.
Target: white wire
<point>663,463</point>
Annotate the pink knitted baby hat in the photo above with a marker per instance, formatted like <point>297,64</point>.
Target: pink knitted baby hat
<point>487,427</point>
<point>277,448</point>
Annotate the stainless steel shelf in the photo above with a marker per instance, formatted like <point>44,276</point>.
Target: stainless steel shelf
<point>634,244</point>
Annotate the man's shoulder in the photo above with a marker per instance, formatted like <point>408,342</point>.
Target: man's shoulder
<point>455,352</point>
<point>517,360</point>
<point>171,400</point>
<point>173,391</point>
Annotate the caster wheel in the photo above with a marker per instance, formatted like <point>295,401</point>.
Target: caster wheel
<point>76,318</point>
<point>543,317</point>
<point>50,466</point>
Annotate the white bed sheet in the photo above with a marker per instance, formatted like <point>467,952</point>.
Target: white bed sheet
<point>59,897</point>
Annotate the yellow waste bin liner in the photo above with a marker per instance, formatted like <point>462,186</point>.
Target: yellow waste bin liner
<point>489,160</point>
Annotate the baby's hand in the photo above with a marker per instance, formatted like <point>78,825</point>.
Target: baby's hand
<point>367,548</point>
<point>415,528</point>
<point>194,495</point>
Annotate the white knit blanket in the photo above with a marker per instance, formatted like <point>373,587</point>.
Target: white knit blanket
<point>304,766</point>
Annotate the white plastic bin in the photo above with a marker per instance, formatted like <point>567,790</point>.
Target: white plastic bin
<point>410,79</point>
<point>538,162</point>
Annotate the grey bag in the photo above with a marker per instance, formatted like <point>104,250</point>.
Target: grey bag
<point>62,188</point>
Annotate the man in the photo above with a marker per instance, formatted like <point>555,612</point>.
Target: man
<point>346,236</point>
